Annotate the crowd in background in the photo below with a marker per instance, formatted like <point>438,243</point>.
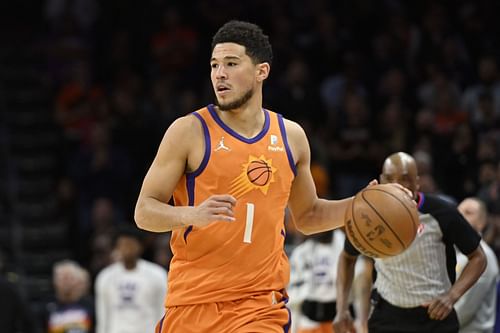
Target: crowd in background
<point>364,78</point>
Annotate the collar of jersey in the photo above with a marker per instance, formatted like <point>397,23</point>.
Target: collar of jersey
<point>234,134</point>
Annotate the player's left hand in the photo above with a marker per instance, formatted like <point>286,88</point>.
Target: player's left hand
<point>440,307</point>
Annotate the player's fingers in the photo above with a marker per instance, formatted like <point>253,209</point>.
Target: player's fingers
<point>221,204</point>
<point>224,198</point>
<point>224,218</point>
<point>223,211</point>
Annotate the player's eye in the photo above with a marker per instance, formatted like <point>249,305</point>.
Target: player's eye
<point>214,65</point>
<point>231,64</point>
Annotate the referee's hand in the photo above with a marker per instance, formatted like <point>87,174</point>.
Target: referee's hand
<point>343,323</point>
<point>440,307</point>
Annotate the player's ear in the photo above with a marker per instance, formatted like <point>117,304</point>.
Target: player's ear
<point>263,70</point>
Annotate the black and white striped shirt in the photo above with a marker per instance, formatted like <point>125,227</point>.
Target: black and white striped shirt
<point>427,268</point>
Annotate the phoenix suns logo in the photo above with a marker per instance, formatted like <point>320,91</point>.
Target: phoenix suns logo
<point>257,173</point>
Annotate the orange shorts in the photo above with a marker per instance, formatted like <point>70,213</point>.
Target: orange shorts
<point>264,313</point>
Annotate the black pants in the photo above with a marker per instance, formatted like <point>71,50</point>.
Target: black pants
<point>387,318</point>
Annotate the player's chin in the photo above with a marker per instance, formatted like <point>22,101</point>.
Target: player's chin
<point>224,105</point>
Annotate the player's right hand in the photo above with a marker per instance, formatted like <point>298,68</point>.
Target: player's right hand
<point>218,207</point>
<point>343,323</point>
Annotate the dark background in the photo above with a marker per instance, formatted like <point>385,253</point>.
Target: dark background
<point>87,89</point>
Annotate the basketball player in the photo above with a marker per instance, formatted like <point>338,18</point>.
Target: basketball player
<point>476,309</point>
<point>232,169</point>
<point>415,291</point>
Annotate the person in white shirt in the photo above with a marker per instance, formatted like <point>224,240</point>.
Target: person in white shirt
<point>313,275</point>
<point>130,292</point>
<point>476,309</point>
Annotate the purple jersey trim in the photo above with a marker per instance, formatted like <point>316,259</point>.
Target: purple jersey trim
<point>286,328</point>
<point>160,325</point>
<point>236,135</point>
<point>420,200</point>
<point>287,146</point>
<point>190,177</point>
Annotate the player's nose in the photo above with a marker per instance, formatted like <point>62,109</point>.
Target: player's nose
<point>220,73</point>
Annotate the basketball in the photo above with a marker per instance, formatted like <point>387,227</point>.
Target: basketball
<point>381,221</point>
<point>259,172</point>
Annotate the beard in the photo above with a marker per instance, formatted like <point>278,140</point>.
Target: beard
<point>237,103</point>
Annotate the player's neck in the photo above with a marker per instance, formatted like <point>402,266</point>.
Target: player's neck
<point>247,120</point>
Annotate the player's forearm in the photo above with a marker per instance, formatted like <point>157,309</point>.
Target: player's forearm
<point>156,216</point>
<point>322,216</point>
<point>470,274</point>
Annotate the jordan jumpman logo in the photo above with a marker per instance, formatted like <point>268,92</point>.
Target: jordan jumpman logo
<point>222,146</point>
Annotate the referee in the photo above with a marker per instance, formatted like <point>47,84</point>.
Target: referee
<point>415,291</point>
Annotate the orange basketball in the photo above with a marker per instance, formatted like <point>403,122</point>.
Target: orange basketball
<point>381,221</point>
<point>259,173</point>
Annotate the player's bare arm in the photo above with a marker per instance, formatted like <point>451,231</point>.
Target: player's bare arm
<point>180,151</point>
<point>440,307</point>
<point>310,213</point>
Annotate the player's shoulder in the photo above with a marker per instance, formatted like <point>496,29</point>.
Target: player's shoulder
<point>292,127</point>
<point>297,139</point>
<point>186,123</point>
<point>183,131</point>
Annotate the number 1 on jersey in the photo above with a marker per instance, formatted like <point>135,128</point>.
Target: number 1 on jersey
<point>247,237</point>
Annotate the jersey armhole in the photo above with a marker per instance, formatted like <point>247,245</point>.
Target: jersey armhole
<point>190,177</point>
<point>287,146</point>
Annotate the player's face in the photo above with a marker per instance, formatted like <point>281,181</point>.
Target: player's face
<point>233,75</point>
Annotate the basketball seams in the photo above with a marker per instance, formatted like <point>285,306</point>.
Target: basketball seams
<point>361,234</point>
<point>383,220</point>
<point>414,224</point>
<point>263,173</point>
<point>255,173</point>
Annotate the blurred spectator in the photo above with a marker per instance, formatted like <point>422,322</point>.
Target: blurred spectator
<point>392,130</point>
<point>458,164</point>
<point>490,192</point>
<point>174,45</point>
<point>476,309</point>
<point>352,148</point>
<point>83,12</point>
<point>335,88</point>
<point>312,286</point>
<point>72,311</point>
<point>99,240</point>
<point>100,169</point>
<point>130,293</point>
<point>162,252</point>
<point>490,195</point>
<point>298,93</point>
<point>489,83</point>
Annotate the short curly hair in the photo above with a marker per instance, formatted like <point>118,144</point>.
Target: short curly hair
<point>246,34</point>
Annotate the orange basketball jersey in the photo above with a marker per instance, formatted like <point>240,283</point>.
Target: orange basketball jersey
<point>225,261</point>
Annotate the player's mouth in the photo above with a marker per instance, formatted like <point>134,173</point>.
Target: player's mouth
<point>222,89</point>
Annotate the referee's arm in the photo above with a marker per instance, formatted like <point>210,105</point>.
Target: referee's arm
<point>345,276</point>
